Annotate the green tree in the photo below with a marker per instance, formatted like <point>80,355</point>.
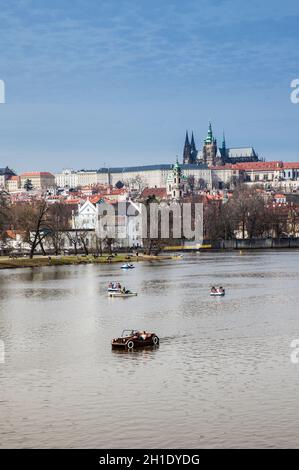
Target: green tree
<point>28,186</point>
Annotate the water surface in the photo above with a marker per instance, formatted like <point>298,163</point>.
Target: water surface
<point>222,376</point>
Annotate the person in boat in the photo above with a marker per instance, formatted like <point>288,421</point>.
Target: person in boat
<point>221,290</point>
<point>143,335</point>
<point>213,290</point>
<point>110,285</point>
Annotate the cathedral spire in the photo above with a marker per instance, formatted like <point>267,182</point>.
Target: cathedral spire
<point>223,141</point>
<point>187,150</point>
<point>223,151</point>
<point>209,138</point>
<point>187,143</point>
<point>193,150</point>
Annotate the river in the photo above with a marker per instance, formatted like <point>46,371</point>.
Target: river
<point>221,377</point>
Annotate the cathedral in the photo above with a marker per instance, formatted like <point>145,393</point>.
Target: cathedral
<point>212,155</point>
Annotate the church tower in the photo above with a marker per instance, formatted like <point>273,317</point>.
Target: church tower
<point>223,150</point>
<point>193,150</point>
<point>175,182</point>
<point>209,151</point>
<point>187,155</point>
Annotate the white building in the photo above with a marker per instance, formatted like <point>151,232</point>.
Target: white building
<point>122,222</point>
<point>86,217</point>
<point>134,177</point>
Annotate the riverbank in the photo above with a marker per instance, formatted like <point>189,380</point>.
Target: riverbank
<point>39,261</point>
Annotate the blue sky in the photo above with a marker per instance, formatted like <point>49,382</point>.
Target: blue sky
<point>104,82</point>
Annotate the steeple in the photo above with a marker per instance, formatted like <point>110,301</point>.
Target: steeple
<point>209,151</point>
<point>223,141</point>
<point>187,143</point>
<point>177,166</point>
<point>193,150</point>
<point>187,150</point>
<point>209,138</point>
<point>223,151</point>
<point>175,184</point>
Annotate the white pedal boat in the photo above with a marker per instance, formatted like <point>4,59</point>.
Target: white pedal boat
<point>122,294</point>
<point>127,266</point>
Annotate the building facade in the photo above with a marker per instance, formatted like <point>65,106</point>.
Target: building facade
<point>135,177</point>
<point>39,179</point>
<point>5,174</point>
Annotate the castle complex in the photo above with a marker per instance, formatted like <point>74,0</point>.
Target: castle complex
<point>211,167</point>
<point>212,155</point>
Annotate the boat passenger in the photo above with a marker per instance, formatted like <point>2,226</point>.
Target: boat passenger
<point>143,335</point>
<point>213,289</point>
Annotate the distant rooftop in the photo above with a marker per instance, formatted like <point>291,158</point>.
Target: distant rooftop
<point>37,173</point>
<point>140,168</point>
<point>7,172</point>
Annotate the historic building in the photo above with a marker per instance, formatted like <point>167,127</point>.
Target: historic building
<point>5,173</point>
<point>176,183</point>
<point>212,155</point>
<point>38,179</point>
<point>138,177</point>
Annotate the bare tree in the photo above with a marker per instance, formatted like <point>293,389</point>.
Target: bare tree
<point>32,220</point>
<point>74,239</point>
<point>58,218</point>
<point>247,208</point>
<point>4,212</point>
<point>108,242</point>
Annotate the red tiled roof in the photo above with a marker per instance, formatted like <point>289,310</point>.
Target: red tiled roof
<point>291,165</point>
<point>37,173</point>
<point>274,165</point>
<point>161,193</point>
<point>96,198</point>
<point>227,166</point>
<point>72,201</point>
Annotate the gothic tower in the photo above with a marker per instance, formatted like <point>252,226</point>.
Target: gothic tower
<point>187,156</point>
<point>223,151</point>
<point>209,151</point>
<point>193,150</point>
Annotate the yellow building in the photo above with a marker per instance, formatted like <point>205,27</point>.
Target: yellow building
<point>38,179</point>
<point>13,183</point>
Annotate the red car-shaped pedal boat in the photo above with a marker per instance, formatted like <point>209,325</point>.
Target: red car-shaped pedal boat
<point>131,339</point>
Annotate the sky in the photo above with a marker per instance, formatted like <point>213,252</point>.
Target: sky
<point>101,83</point>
